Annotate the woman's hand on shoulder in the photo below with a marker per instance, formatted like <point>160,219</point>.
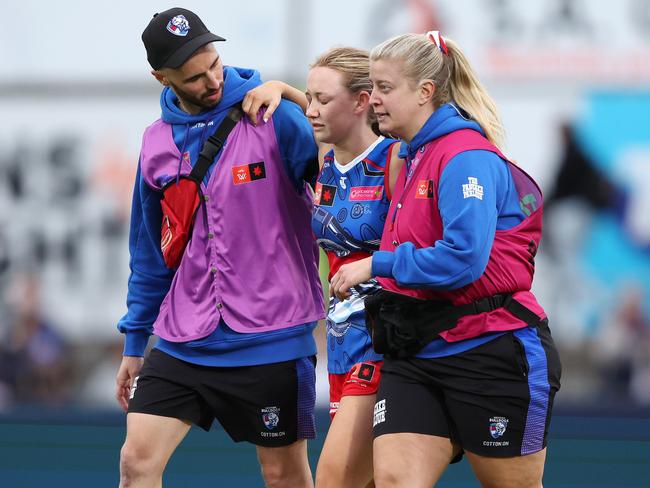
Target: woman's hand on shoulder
<point>267,95</point>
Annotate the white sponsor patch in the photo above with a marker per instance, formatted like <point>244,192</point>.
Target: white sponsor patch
<point>380,413</point>
<point>334,406</point>
<point>472,189</point>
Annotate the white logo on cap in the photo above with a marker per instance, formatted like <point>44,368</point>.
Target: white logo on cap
<point>179,26</point>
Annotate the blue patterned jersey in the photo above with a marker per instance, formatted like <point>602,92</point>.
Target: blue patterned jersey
<point>350,207</point>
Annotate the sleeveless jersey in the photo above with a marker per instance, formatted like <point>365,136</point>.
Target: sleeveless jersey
<point>350,207</point>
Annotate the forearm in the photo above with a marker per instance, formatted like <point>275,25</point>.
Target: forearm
<point>291,93</point>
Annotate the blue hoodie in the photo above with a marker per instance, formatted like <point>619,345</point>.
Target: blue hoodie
<point>150,279</point>
<point>237,82</point>
<point>461,256</point>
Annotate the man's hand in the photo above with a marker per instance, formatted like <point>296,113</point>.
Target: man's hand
<point>349,275</point>
<point>269,94</point>
<point>129,370</point>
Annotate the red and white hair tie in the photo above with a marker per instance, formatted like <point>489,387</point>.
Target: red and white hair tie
<point>438,40</point>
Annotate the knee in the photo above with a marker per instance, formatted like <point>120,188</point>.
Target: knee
<point>385,478</point>
<point>283,475</point>
<point>512,480</point>
<point>512,484</point>
<point>136,462</point>
<point>332,473</point>
<point>329,475</point>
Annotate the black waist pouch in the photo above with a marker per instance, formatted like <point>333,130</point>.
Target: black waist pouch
<point>401,325</point>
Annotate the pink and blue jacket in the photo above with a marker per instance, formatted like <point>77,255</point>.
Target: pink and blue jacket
<point>464,223</point>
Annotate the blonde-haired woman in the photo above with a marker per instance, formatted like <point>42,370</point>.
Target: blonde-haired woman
<point>470,364</point>
<point>352,197</point>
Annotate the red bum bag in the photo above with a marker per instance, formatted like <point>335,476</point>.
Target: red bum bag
<point>182,197</point>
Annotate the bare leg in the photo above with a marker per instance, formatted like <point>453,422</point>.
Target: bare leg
<point>408,460</point>
<point>286,467</point>
<point>150,442</point>
<point>346,458</point>
<point>513,472</point>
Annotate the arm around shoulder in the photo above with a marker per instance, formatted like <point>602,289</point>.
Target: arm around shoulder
<point>269,95</point>
<point>296,143</point>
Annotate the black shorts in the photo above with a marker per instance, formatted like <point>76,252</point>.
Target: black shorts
<point>494,400</point>
<point>268,405</point>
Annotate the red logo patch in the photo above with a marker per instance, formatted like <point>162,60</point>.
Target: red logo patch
<point>365,193</point>
<point>241,174</point>
<point>366,371</point>
<point>248,172</point>
<point>424,189</point>
<point>324,195</point>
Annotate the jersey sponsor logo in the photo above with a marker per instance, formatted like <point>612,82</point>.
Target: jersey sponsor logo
<point>472,189</point>
<point>342,183</point>
<point>366,372</point>
<point>179,26</point>
<point>248,172</point>
<point>379,414</point>
<point>271,417</point>
<point>324,195</point>
<point>498,426</point>
<point>424,189</point>
<point>365,193</point>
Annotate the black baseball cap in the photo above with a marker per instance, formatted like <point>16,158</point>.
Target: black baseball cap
<point>173,36</point>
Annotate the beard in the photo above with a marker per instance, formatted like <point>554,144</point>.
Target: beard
<point>200,102</point>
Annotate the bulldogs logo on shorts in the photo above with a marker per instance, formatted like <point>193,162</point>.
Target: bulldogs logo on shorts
<point>271,417</point>
<point>498,426</point>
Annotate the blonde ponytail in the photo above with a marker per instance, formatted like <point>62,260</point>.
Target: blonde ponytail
<point>451,73</point>
<point>470,95</point>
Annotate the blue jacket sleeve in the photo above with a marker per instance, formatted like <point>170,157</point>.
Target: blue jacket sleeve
<point>297,145</point>
<point>150,279</point>
<point>470,191</point>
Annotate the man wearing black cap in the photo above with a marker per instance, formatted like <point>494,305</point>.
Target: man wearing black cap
<point>234,319</point>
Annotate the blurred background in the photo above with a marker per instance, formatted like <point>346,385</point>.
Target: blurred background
<point>571,79</point>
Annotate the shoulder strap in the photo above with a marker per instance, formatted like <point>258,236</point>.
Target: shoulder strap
<point>214,143</point>
<point>488,304</point>
<point>387,169</point>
